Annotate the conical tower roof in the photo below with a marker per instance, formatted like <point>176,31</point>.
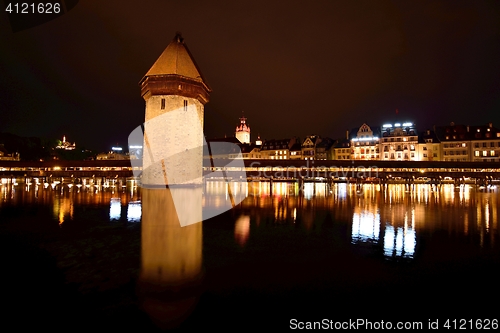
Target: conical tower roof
<point>176,60</point>
<point>175,73</point>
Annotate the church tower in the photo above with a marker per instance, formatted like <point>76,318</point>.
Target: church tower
<point>243,131</point>
<point>175,93</point>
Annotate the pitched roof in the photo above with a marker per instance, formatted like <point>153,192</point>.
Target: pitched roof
<point>177,60</point>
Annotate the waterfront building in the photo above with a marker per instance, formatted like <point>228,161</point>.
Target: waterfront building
<point>323,149</point>
<point>429,146</point>
<point>455,142</point>
<point>248,151</point>
<point>296,151</point>
<point>341,149</point>
<point>399,142</point>
<point>309,147</point>
<point>243,131</point>
<point>175,92</point>
<point>485,143</point>
<point>277,149</point>
<point>464,143</point>
<point>365,142</point>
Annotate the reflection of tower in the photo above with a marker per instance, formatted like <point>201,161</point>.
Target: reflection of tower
<point>171,259</point>
<point>175,93</point>
<point>243,131</point>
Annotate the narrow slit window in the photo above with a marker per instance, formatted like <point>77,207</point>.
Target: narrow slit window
<point>185,105</point>
<point>163,103</point>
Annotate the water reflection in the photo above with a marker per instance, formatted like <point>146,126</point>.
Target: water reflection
<point>242,229</point>
<point>304,226</point>
<point>171,259</point>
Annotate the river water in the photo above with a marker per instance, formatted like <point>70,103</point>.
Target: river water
<point>119,258</point>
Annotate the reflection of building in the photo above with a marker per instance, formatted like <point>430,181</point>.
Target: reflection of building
<point>171,260</point>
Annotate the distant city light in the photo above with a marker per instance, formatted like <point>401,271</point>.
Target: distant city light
<point>135,147</point>
<point>397,124</point>
<point>116,148</point>
<point>407,124</point>
<point>370,138</point>
<point>386,125</point>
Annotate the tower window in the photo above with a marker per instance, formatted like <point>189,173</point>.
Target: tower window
<point>163,103</point>
<point>185,105</point>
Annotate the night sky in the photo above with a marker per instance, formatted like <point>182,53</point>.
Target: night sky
<point>295,68</point>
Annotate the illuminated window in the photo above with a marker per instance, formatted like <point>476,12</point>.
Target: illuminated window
<point>492,153</point>
<point>476,153</point>
<point>485,153</point>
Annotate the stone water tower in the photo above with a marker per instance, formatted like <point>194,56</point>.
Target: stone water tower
<point>175,93</point>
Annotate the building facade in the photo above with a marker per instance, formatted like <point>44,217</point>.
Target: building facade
<point>365,142</point>
<point>399,142</point>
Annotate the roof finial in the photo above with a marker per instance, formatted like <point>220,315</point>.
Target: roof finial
<point>178,37</point>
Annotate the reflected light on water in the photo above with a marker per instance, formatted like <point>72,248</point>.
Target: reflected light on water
<point>134,211</point>
<point>399,242</point>
<point>242,229</point>
<point>115,209</point>
<point>365,227</point>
